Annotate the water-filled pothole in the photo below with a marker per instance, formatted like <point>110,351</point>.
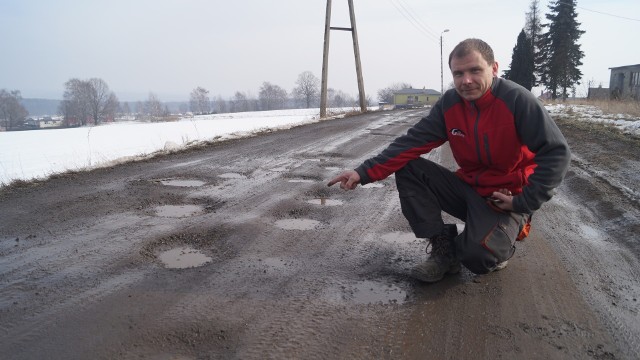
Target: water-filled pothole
<point>373,185</point>
<point>178,211</point>
<point>183,258</point>
<point>297,224</point>
<point>370,292</point>
<point>308,181</point>
<point>325,202</point>
<point>182,183</point>
<point>232,176</point>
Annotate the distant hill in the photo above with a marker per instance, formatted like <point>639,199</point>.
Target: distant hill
<point>41,107</point>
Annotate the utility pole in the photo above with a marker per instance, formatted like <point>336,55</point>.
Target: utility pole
<point>325,58</point>
<point>325,62</point>
<point>441,70</point>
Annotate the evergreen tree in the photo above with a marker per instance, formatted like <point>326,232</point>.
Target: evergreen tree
<point>533,29</point>
<point>561,51</point>
<point>521,68</point>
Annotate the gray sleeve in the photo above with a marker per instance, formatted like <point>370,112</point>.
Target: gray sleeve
<point>552,155</point>
<point>429,133</point>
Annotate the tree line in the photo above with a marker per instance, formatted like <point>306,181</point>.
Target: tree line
<point>549,54</point>
<point>91,101</point>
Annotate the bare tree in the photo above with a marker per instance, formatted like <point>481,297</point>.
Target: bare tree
<point>102,101</point>
<point>337,98</point>
<point>12,112</point>
<point>239,103</point>
<point>75,105</point>
<point>199,101</point>
<point>386,94</point>
<point>307,90</point>
<point>140,110</point>
<point>221,105</point>
<point>85,100</point>
<point>125,109</point>
<point>153,108</point>
<point>533,30</point>
<point>272,97</point>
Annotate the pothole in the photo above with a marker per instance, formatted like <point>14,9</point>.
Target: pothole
<point>370,292</point>
<point>182,183</point>
<point>232,176</point>
<point>325,202</point>
<point>297,224</point>
<point>178,211</point>
<point>308,181</point>
<point>183,258</point>
<point>373,185</point>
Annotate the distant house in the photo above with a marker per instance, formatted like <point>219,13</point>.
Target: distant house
<point>49,122</point>
<point>413,98</point>
<point>625,82</point>
<point>598,93</point>
<point>30,124</point>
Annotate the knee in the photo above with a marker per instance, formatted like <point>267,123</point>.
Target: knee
<point>478,262</point>
<point>414,171</point>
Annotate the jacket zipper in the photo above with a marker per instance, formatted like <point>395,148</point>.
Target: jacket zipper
<point>477,136</point>
<point>486,149</point>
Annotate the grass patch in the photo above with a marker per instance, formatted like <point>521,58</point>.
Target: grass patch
<point>612,107</point>
<point>599,129</point>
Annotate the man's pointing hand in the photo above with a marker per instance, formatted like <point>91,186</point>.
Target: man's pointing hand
<point>348,180</point>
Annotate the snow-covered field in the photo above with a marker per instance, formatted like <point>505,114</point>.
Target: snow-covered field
<point>626,123</point>
<point>26,155</point>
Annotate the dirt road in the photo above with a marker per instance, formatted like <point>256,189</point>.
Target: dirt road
<point>284,267</point>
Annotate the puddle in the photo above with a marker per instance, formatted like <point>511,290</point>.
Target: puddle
<point>370,292</point>
<point>182,183</point>
<point>178,211</point>
<point>297,224</point>
<point>325,202</point>
<point>373,185</point>
<point>301,181</point>
<point>232,176</point>
<point>183,258</point>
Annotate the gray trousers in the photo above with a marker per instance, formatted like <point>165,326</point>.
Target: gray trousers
<point>426,189</point>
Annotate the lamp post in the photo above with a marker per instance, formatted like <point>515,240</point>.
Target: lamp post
<point>441,71</point>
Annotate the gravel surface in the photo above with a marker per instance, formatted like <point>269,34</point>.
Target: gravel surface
<point>239,250</point>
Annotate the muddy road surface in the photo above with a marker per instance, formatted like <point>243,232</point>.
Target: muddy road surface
<point>239,250</point>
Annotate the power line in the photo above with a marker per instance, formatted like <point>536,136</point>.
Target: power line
<point>604,13</point>
<point>410,11</point>
<point>598,12</point>
<point>407,15</point>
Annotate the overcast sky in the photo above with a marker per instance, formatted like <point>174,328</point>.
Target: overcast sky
<point>169,47</point>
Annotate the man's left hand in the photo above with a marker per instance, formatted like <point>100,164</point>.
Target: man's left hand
<point>503,199</point>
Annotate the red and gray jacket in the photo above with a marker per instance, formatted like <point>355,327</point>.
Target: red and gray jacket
<point>505,139</point>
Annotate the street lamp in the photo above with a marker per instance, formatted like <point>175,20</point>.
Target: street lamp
<point>441,74</point>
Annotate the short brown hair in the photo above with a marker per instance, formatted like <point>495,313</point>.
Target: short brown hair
<point>467,46</point>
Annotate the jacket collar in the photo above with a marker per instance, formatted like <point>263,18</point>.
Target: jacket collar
<point>486,99</point>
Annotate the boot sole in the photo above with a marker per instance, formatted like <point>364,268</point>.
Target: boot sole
<point>419,275</point>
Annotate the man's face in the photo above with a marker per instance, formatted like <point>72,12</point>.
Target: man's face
<point>472,75</point>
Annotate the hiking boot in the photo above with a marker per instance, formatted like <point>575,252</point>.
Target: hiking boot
<point>442,258</point>
<point>501,265</point>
